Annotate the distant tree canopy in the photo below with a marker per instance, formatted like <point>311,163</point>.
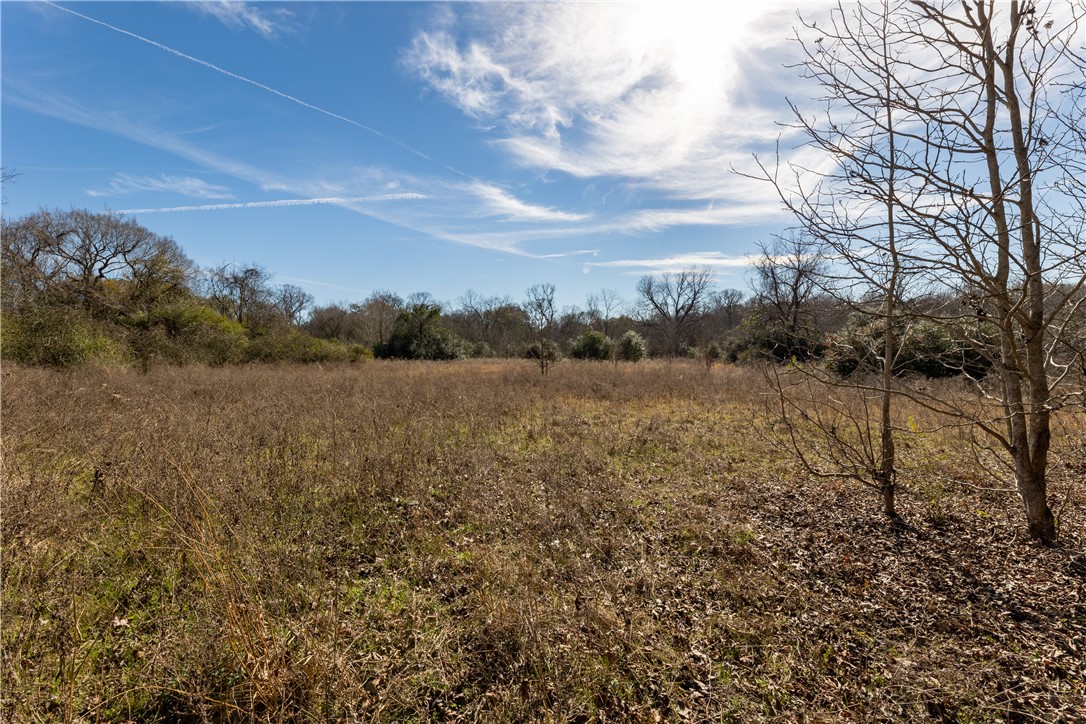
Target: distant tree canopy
<point>104,263</point>
<point>78,286</point>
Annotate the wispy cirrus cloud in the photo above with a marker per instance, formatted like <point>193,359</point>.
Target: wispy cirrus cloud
<point>135,123</point>
<point>126,183</point>
<point>498,202</point>
<point>238,15</point>
<point>332,200</point>
<point>256,84</point>
<point>677,262</point>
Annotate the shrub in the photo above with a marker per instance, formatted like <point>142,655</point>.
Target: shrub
<point>758,338</point>
<point>481,350</point>
<point>58,337</point>
<point>592,345</point>
<point>419,334</point>
<point>926,347</point>
<point>545,352</point>
<point>297,346</point>
<point>186,332</point>
<point>711,354</point>
<point>632,347</point>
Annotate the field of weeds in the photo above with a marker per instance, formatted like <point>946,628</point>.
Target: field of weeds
<point>429,542</point>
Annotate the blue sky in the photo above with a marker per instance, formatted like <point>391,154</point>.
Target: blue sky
<point>431,147</point>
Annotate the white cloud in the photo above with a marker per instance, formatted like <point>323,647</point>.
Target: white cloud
<point>458,212</point>
<point>131,122</point>
<point>280,202</point>
<point>245,16</point>
<point>497,202</point>
<point>677,262</point>
<point>664,93</point>
<point>126,183</point>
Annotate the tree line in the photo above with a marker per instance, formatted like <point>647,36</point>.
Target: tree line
<point>79,286</point>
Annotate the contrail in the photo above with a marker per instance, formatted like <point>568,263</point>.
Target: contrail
<point>280,202</point>
<point>261,86</point>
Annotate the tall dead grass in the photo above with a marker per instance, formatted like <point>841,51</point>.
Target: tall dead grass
<point>415,541</point>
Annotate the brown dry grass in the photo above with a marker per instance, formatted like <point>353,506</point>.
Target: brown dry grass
<point>427,542</point>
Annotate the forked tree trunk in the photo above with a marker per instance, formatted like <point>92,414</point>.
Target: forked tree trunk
<point>1022,365</point>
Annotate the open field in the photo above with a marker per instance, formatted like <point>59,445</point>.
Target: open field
<point>412,541</point>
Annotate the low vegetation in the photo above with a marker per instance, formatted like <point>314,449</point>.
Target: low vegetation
<point>460,541</point>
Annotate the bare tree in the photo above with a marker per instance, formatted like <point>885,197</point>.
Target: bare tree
<point>240,292</point>
<point>853,58</point>
<point>479,315</point>
<point>727,306</point>
<point>967,143</point>
<point>418,299</point>
<point>788,276</point>
<point>539,306</point>
<point>292,301</point>
<point>602,309</point>
<point>100,261</point>
<point>672,303</point>
<point>333,321</point>
<point>377,316</point>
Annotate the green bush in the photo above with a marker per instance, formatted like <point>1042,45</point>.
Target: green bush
<point>758,338</point>
<point>482,350</point>
<point>545,352</point>
<point>926,347</point>
<point>592,345</point>
<point>58,337</point>
<point>184,333</point>
<point>632,347</point>
<point>712,354</point>
<point>419,334</point>
<point>296,346</point>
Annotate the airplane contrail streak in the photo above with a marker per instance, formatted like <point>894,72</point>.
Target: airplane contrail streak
<point>261,86</point>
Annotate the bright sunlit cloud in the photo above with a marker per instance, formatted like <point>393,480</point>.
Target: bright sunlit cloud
<point>654,91</point>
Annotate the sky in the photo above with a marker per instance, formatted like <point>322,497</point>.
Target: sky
<point>355,146</point>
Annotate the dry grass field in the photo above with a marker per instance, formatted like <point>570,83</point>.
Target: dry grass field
<point>470,541</point>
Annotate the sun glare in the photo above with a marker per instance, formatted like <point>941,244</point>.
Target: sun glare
<point>696,36</point>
